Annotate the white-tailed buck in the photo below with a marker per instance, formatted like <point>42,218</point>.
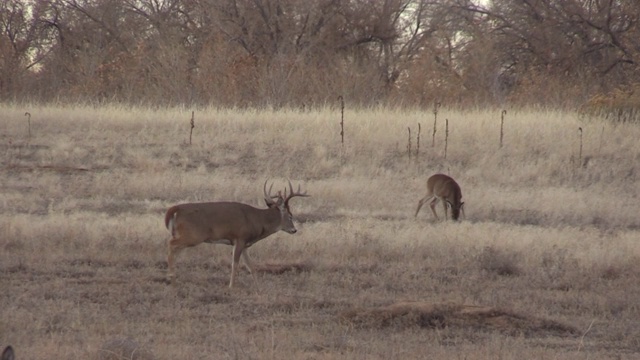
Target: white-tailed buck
<point>8,354</point>
<point>229,223</point>
<point>443,187</point>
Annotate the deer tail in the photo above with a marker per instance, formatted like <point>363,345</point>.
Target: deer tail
<point>170,217</point>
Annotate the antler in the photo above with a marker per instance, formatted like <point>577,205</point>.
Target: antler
<point>268,198</point>
<point>292,193</point>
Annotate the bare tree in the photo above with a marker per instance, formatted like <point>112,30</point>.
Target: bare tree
<point>292,52</point>
<point>24,43</point>
<point>580,42</point>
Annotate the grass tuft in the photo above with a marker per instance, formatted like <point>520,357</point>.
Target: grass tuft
<point>499,262</point>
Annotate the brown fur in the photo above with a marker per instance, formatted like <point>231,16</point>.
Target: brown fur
<point>8,353</point>
<point>443,188</point>
<point>229,223</point>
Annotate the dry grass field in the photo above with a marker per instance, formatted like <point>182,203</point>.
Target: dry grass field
<point>545,265</point>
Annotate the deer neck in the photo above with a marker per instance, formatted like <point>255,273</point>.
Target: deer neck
<point>272,221</point>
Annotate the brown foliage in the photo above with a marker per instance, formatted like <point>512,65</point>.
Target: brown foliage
<point>298,53</point>
<point>620,105</point>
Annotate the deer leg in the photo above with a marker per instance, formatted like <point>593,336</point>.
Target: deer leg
<point>249,264</point>
<point>421,202</point>
<point>237,251</point>
<point>446,209</point>
<point>173,251</point>
<point>433,207</point>
<point>247,261</point>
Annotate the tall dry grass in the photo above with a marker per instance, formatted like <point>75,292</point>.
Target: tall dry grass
<point>549,238</point>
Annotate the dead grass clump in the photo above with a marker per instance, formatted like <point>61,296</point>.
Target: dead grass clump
<point>437,316</point>
<point>404,314</point>
<point>16,269</point>
<point>556,265</point>
<point>278,269</point>
<point>496,261</point>
<point>614,272</point>
<point>209,298</point>
<point>516,216</point>
<point>79,262</point>
<point>124,349</point>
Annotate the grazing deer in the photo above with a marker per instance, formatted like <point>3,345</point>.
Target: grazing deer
<point>229,223</point>
<point>443,187</point>
<point>8,354</point>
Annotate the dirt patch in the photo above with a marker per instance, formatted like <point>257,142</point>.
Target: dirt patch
<point>438,316</point>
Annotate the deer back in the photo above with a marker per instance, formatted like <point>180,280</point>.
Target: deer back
<point>213,221</point>
<point>445,187</point>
